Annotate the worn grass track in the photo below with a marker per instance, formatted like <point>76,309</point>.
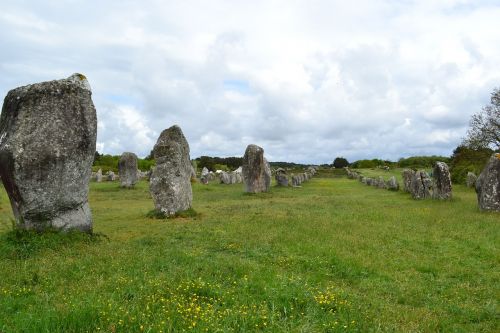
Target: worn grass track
<point>334,255</point>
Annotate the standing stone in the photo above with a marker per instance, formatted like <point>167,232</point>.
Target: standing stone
<point>204,176</point>
<point>442,181</point>
<point>421,185</point>
<point>408,176</point>
<point>471,179</point>
<point>47,145</point>
<point>111,176</point>
<point>127,168</point>
<point>281,177</point>
<point>170,184</point>
<point>295,181</point>
<point>256,170</point>
<point>488,185</point>
<point>381,183</point>
<point>392,184</point>
<point>98,176</point>
<point>225,178</point>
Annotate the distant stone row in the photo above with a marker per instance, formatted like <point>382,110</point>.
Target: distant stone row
<point>256,173</point>
<point>421,186</point>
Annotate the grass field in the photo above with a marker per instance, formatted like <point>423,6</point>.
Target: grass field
<point>332,256</point>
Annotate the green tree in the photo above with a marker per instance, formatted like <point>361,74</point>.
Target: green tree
<point>484,126</point>
<point>340,162</point>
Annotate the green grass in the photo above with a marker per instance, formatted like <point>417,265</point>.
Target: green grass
<point>332,256</point>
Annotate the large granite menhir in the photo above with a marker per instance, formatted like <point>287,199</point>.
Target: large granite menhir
<point>127,168</point>
<point>256,170</point>
<point>47,145</point>
<point>170,182</point>
<point>488,185</point>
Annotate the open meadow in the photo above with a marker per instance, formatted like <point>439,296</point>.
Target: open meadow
<point>332,256</point>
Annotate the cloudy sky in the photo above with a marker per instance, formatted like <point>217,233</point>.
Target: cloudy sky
<point>306,80</point>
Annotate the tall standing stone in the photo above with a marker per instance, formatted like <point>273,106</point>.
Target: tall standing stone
<point>127,168</point>
<point>488,185</point>
<point>47,145</point>
<point>170,184</point>
<point>442,181</point>
<point>256,170</point>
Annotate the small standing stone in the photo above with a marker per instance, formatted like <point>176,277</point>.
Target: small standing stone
<point>127,168</point>
<point>471,179</point>
<point>205,174</point>
<point>281,177</point>
<point>421,185</point>
<point>98,176</point>
<point>442,181</point>
<point>392,184</point>
<point>408,176</point>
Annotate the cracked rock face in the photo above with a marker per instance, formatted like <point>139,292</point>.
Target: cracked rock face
<point>256,170</point>
<point>127,168</point>
<point>170,181</point>
<point>488,185</point>
<point>47,145</point>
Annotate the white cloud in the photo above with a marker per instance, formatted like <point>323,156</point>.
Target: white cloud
<point>307,80</point>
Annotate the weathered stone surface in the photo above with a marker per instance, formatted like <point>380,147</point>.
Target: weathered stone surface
<point>392,184</point>
<point>256,170</point>
<point>127,168</point>
<point>47,145</point>
<point>281,177</point>
<point>170,182</point>
<point>488,185</point>
<point>295,181</point>
<point>205,176</point>
<point>421,185</point>
<point>407,179</point>
<point>98,176</point>
<point>442,181</point>
<point>471,179</point>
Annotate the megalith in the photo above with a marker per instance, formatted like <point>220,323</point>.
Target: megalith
<point>441,188</point>
<point>47,145</point>
<point>421,185</point>
<point>170,181</point>
<point>127,168</point>
<point>256,171</point>
<point>488,185</point>
<point>281,177</point>
<point>471,179</point>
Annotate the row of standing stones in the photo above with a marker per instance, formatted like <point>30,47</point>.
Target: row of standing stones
<point>420,185</point>
<point>47,143</point>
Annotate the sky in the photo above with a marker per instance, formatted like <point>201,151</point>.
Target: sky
<point>306,80</point>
